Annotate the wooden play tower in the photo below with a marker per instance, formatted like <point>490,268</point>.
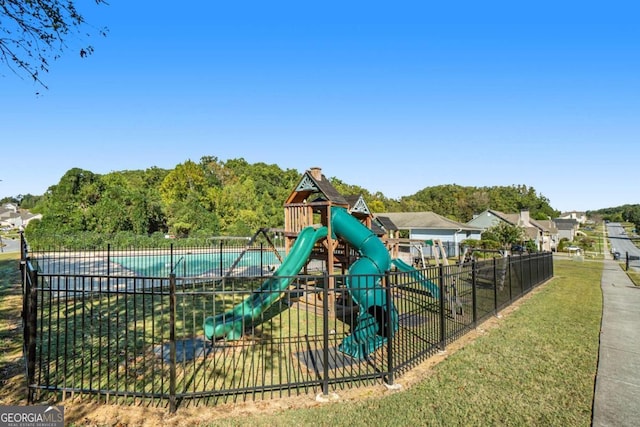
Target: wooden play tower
<point>310,204</point>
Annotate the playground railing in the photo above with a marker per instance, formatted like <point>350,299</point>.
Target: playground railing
<point>95,328</point>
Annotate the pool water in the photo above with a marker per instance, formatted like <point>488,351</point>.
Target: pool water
<point>197,264</point>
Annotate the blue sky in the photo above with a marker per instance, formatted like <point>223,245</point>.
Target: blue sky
<point>391,96</point>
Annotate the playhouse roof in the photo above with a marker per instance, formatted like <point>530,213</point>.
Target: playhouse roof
<point>386,223</point>
<point>382,225</point>
<point>357,205</point>
<point>314,182</point>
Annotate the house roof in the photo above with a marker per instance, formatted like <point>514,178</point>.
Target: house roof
<point>382,225</point>
<point>571,221</point>
<point>511,218</point>
<point>377,229</point>
<point>531,230</point>
<point>545,225</point>
<point>539,224</point>
<point>566,223</point>
<point>411,220</point>
<point>579,213</point>
<point>9,215</point>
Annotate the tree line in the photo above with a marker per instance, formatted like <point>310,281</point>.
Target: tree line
<point>624,213</point>
<point>233,197</point>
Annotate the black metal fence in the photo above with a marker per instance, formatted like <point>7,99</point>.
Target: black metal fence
<point>98,323</point>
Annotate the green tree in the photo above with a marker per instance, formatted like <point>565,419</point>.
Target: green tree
<point>505,234</point>
<point>237,208</point>
<point>28,201</point>
<point>192,217</point>
<point>128,203</point>
<point>67,206</point>
<point>185,181</point>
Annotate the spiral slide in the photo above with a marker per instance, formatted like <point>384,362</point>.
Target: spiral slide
<point>375,321</point>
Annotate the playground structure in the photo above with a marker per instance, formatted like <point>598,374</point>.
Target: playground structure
<point>322,224</point>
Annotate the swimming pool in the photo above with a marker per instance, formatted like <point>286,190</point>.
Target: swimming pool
<point>194,264</point>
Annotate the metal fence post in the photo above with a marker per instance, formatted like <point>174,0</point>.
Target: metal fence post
<point>495,288</point>
<point>25,291</point>
<point>221,259</point>
<point>23,247</point>
<point>325,335</point>
<point>626,262</point>
<point>389,331</point>
<point>25,306</point>
<point>474,295</point>
<point>172,343</point>
<point>443,333</point>
<point>32,319</point>
<point>510,278</point>
<point>261,258</point>
<point>522,279</point>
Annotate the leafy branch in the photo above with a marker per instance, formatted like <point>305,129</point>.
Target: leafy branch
<point>35,32</point>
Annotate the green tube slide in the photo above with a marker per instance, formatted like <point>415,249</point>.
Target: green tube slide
<point>417,276</point>
<point>374,323</point>
<point>231,324</point>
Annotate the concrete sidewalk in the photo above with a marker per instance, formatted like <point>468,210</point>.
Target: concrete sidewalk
<point>617,389</point>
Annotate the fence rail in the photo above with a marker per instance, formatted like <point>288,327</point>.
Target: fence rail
<point>122,335</point>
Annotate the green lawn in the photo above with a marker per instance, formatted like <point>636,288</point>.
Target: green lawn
<point>633,275</point>
<point>11,362</point>
<point>537,368</point>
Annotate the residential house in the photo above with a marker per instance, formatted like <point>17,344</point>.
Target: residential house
<point>425,226</point>
<point>544,233</point>
<point>9,216</point>
<point>567,228</point>
<point>580,217</point>
<point>550,234</point>
<point>13,217</point>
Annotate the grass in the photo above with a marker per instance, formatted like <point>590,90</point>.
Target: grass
<point>108,341</point>
<point>11,362</point>
<point>634,276</point>
<point>537,368</point>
